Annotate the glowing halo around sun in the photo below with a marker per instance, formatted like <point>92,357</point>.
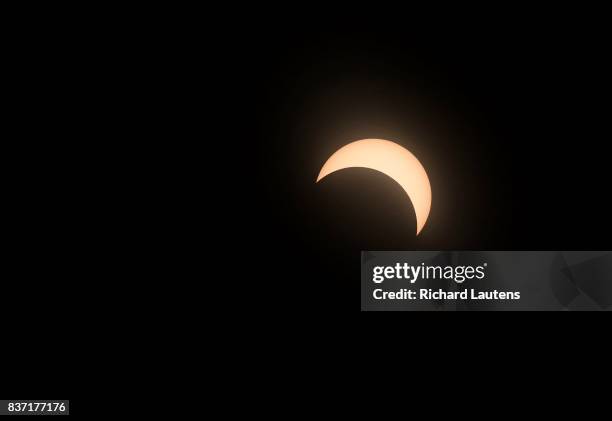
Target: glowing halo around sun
<point>392,160</point>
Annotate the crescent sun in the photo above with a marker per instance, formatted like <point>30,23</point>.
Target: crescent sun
<point>392,160</point>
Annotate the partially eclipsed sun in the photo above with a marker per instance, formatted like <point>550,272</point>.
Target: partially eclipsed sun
<point>391,159</point>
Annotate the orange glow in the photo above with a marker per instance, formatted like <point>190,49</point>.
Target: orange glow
<point>391,159</point>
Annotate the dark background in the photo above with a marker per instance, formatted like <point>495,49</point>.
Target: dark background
<point>510,123</point>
